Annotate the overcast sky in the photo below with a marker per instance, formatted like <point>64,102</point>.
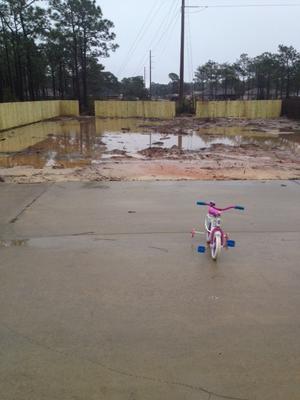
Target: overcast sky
<point>220,34</point>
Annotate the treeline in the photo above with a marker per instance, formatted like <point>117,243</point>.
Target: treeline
<point>267,76</point>
<point>54,51</point>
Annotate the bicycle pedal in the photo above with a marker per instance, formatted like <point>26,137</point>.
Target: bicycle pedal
<point>230,243</point>
<point>201,249</point>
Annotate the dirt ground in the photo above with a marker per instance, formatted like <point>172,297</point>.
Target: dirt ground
<point>280,159</point>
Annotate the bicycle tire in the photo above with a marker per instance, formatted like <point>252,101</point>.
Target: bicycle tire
<point>216,247</point>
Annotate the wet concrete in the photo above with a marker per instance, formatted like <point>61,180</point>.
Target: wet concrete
<point>108,298</point>
<point>14,199</point>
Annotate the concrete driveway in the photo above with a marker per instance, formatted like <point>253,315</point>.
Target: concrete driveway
<point>103,295</point>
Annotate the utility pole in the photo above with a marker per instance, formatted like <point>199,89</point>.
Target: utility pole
<point>181,82</point>
<point>145,77</point>
<point>150,85</point>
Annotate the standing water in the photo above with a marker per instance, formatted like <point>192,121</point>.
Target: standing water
<point>71,143</point>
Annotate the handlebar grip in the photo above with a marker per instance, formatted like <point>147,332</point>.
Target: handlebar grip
<point>240,208</point>
<point>201,203</point>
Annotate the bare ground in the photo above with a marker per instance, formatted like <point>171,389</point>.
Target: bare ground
<point>219,162</point>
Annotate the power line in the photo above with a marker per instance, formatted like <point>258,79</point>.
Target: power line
<point>168,26</point>
<point>141,33</point>
<point>244,5</point>
<point>151,44</point>
<point>166,42</point>
<point>158,35</point>
<point>146,24</point>
<point>202,8</point>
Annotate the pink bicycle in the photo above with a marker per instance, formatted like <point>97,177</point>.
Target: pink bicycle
<point>216,238</point>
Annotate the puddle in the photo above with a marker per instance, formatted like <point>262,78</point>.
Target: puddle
<point>13,243</point>
<point>73,143</point>
<point>72,242</point>
<point>133,143</point>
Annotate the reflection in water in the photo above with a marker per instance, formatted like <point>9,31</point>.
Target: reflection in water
<point>180,142</point>
<point>19,139</point>
<point>71,143</point>
<point>55,143</point>
<point>121,125</point>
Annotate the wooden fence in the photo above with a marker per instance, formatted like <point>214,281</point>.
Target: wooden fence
<point>135,109</point>
<point>24,113</point>
<point>249,109</point>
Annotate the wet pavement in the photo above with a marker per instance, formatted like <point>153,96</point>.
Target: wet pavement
<point>103,295</point>
<point>77,143</point>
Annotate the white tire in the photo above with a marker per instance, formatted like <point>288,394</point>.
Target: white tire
<point>215,247</point>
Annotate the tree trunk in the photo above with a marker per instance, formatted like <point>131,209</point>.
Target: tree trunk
<point>28,59</point>
<point>18,64</point>
<point>281,87</point>
<point>287,94</point>
<point>276,89</point>
<point>268,86</point>
<point>53,82</point>
<point>2,84</point>
<point>60,80</point>
<point>8,66</point>
<point>76,68</point>
<point>84,74</point>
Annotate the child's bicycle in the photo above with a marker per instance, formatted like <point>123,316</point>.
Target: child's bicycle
<point>216,238</point>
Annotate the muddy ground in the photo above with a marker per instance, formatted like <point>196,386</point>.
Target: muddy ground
<point>277,156</point>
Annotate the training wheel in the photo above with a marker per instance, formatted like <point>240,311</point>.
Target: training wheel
<point>201,249</point>
<point>230,243</point>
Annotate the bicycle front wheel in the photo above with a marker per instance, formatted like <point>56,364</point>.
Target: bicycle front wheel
<point>216,246</point>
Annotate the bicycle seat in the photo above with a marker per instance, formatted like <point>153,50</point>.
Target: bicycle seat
<point>213,212</point>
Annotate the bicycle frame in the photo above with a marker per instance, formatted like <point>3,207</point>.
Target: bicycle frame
<point>213,226</point>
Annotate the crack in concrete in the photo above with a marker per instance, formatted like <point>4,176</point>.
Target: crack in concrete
<point>295,181</point>
<point>159,249</point>
<point>122,372</point>
<point>16,218</point>
<point>82,234</point>
<point>105,240</point>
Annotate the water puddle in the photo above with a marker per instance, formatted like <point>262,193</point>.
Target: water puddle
<point>71,242</point>
<point>13,243</point>
<point>73,143</point>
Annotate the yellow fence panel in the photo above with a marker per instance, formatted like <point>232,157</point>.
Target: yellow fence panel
<point>69,108</point>
<point>135,109</point>
<point>249,109</point>
<point>24,113</point>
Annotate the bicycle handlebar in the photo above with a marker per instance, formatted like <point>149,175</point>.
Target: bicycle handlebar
<point>203,203</point>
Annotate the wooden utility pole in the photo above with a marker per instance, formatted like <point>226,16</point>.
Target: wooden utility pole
<point>181,82</point>
<point>150,78</point>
